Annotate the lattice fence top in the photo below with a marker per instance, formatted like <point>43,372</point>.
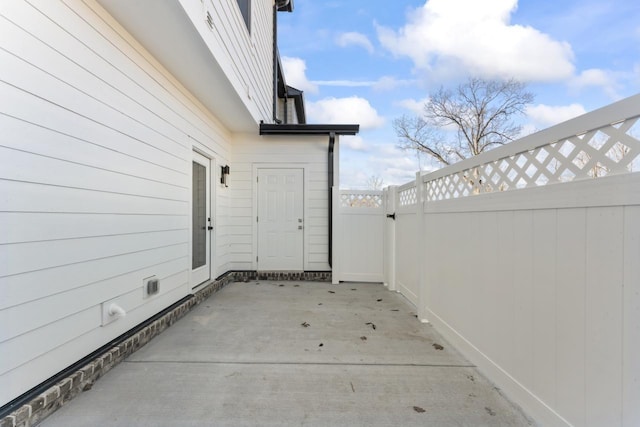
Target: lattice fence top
<point>408,196</point>
<point>364,199</point>
<point>608,150</point>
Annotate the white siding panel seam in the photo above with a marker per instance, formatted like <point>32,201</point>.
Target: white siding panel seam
<point>93,167</point>
<point>115,129</point>
<point>121,73</point>
<point>162,262</point>
<point>20,289</point>
<point>82,261</point>
<point>245,71</point>
<point>94,236</point>
<point>88,72</point>
<point>76,139</point>
<point>97,139</point>
<point>80,328</point>
<point>20,330</point>
<point>201,113</point>
<point>181,201</point>
<point>88,95</point>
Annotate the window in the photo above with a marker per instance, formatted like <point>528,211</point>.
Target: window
<point>245,9</point>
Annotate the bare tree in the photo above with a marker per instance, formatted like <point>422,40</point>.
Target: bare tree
<point>374,182</point>
<point>479,112</point>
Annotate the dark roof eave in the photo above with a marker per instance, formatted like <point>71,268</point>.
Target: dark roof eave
<point>298,96</point>
<point>287,8</point>
<point>305,129</point>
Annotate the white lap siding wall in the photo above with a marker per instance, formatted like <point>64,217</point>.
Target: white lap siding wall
<point>96,145</point>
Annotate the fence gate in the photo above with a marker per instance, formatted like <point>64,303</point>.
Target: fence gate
<point>358,236</point>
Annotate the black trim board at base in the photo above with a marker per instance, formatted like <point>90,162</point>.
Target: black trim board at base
<point>39,389</point>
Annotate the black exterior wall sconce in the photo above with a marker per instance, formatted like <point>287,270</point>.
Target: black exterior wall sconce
<point>224,174</point>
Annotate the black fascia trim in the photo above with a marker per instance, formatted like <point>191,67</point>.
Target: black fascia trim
<point>305,129</point>
<point>298,97</point>
<point>282,84</point>
<point>287,8</point>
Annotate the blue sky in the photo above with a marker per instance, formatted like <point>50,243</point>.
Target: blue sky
<point>371,61</point>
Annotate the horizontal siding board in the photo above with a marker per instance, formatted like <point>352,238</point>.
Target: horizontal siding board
<point>237,248</point>
<point>22,288</point>
<point>33,227</point>
<point>24,76</point>
<point>40,112</point>
<point>32,138</point>
<point>29,167</point>
<point>28,47</point>
<point>318,248</point>
<point>125,64</point>
<point>318,259</point>
<point>33,197</point>
<point>239,221</point>
<point>99,137</point>
<point>24,348</point>
<point>246,258</point>
<point>24,257</point>
<point>277,156</point>
<point>240,49</point>
<point>241,240</point>
<point>236,230</point>
<point>19,320</point>
<point>49,336</point>
<point>60,357</point>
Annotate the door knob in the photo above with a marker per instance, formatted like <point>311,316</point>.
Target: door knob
<point>299,227</point>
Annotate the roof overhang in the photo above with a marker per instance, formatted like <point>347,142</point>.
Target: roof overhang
<point>284,5</point>
<point>166,30</point>
<point>298,97</point>
<point>304,129</point>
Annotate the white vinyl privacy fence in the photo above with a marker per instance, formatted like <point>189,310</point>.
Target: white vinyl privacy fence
<point>359,236</point>
<point>527,259</point>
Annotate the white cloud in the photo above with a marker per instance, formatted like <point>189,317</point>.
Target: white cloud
<point>295,74</point>
<point>354,142</point>
<point>477,38</point>
<point>354,39</point>
<point>544,116</point>
<point>384,83</point>
<point>344,110</point>
<point>393,165</point>
<point>416,106</point>
<point>595,77</point>
<point>345,83</point>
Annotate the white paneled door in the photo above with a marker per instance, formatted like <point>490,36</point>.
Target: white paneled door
<point>201,225</point>
<point>280,219</point>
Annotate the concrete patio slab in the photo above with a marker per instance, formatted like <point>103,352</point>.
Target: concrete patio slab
<point>295,353</point>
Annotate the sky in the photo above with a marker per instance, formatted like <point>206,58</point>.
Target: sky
<point>372,61</point>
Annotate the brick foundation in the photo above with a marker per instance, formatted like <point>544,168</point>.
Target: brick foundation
<point>43,405</point>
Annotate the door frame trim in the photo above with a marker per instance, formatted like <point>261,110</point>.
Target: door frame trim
<point>305,209</point>
<point>212,213</point>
